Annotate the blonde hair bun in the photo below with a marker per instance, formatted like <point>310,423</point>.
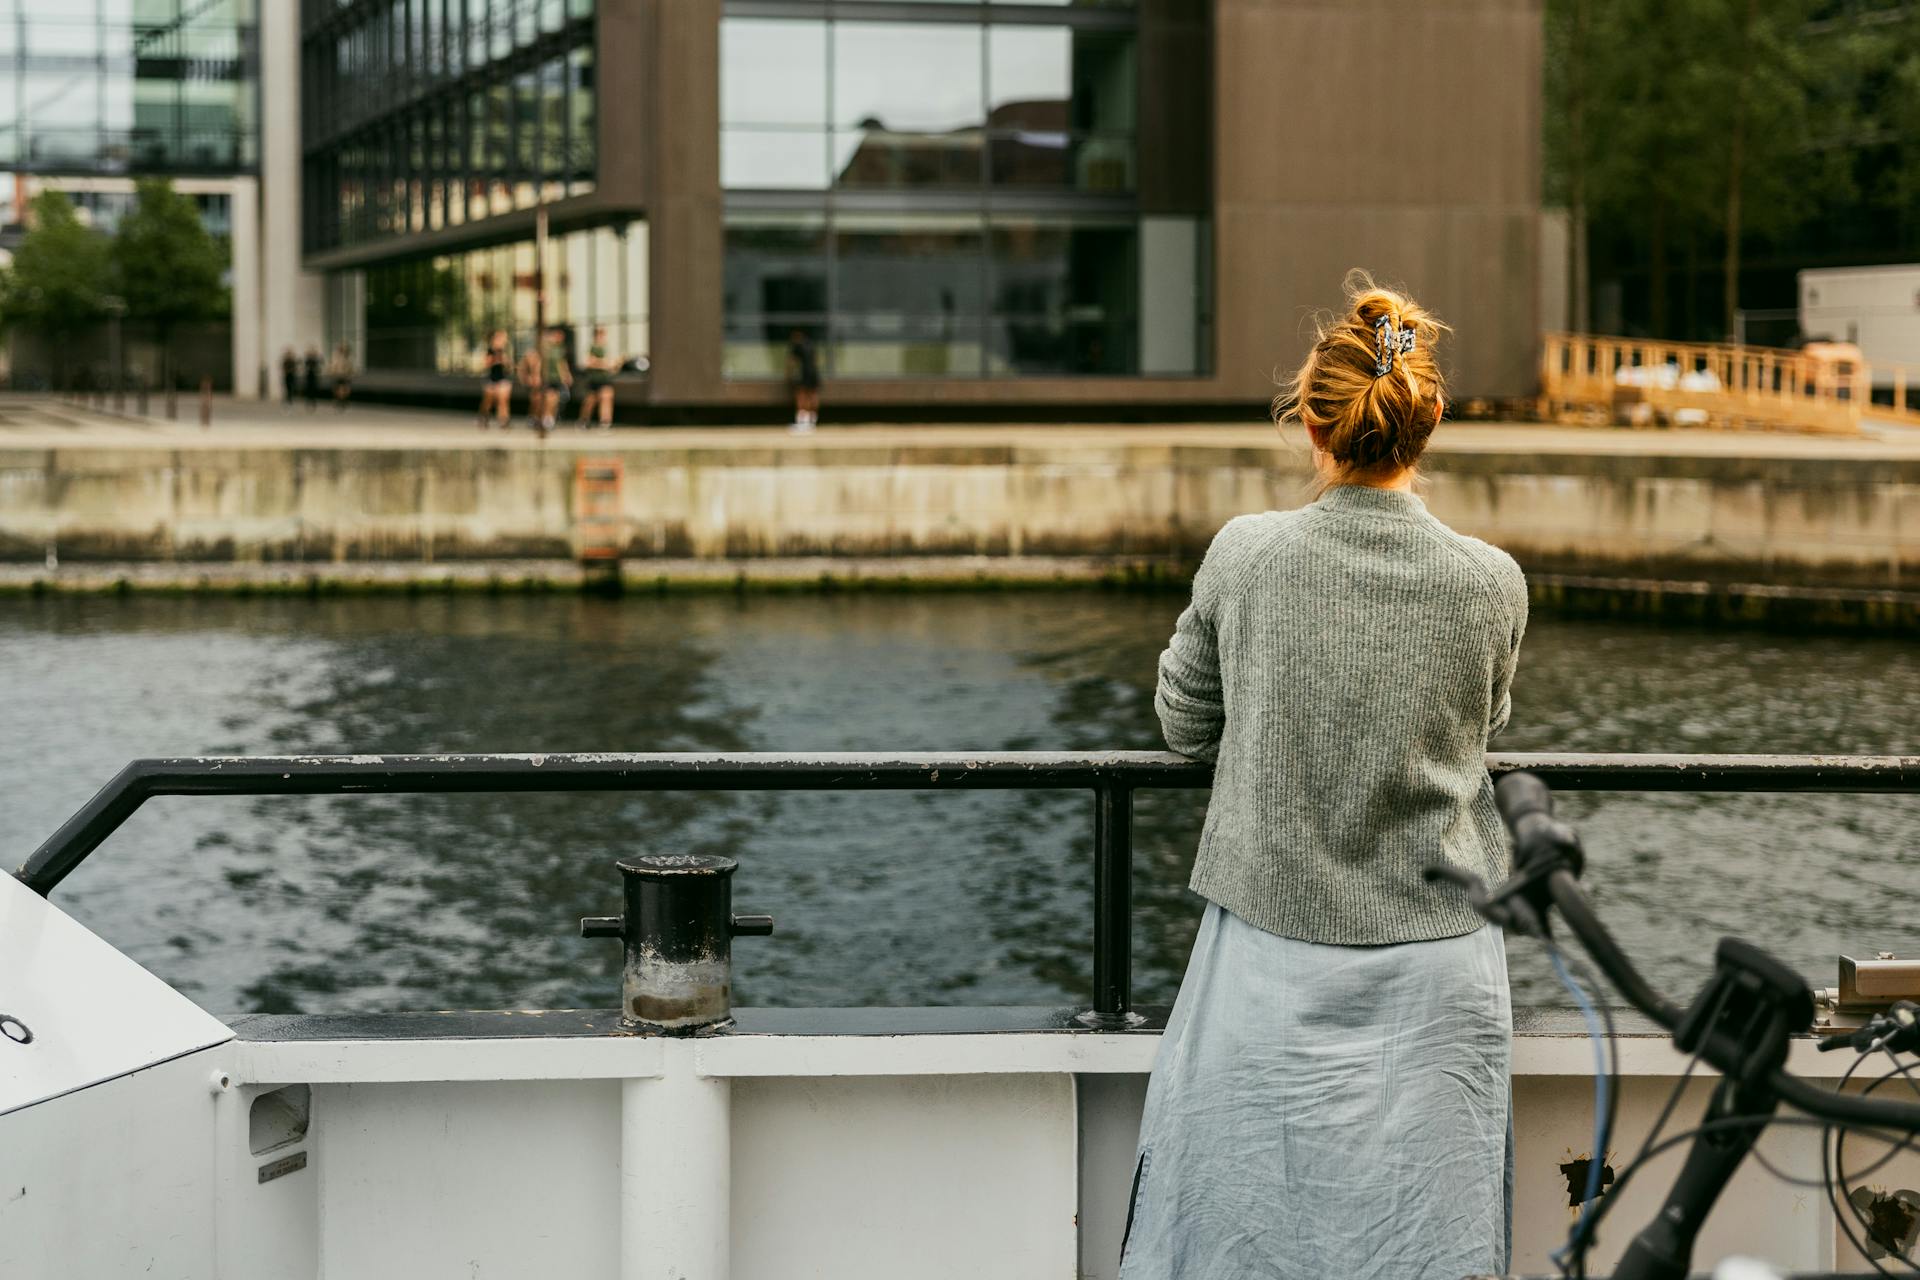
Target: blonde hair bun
<point>1369,393</point>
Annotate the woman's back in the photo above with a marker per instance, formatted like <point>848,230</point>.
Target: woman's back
<point>1364,653</point>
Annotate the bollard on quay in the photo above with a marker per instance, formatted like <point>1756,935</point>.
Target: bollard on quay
<point>678,930</point>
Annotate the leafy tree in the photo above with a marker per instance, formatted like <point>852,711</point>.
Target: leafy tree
<point>1697,119</point>
<point>1895,117</point>
<point>167,266</point>
<point>60,277</point>
<point>1768,81</point>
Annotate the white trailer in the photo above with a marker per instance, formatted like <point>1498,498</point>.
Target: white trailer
<point>1875,308</point>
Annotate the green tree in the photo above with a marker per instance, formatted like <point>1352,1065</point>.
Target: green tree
<point>1895,119</point>
<point>169,269</point>
<point>60,277</point>
<point>1781,100</point>
<point>1696,120</point>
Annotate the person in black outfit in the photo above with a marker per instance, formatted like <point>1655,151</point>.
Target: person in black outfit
<point>289,377</point>
<point>803,376</point>
<point>310,378</point>
<point>496,398</point>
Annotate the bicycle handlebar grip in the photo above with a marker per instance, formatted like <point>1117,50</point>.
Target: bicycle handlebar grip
<point>1519,794</point>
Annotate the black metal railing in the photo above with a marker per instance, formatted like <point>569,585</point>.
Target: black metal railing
<point>1112,777</point>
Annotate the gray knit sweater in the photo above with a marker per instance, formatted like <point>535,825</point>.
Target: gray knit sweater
<point>1344,665</point>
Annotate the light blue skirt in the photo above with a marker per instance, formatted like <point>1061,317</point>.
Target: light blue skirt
<point>1320,1111</point>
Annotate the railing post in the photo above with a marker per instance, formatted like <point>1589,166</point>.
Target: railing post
<point>1112,906</point>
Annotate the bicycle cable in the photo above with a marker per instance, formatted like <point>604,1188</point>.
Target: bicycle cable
<point>1606,1082</point>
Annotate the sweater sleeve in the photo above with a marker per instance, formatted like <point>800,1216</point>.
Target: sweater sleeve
<point>1192,708</point>
<point>1513,588</point>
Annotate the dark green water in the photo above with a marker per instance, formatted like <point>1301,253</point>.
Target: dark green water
<point>902,898</point>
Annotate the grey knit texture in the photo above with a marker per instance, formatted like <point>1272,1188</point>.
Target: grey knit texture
<point>1344,665</point>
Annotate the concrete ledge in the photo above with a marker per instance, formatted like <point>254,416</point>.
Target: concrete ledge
<point>316,493</point>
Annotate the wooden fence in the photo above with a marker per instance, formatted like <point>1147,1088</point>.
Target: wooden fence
<point>1719,384</point>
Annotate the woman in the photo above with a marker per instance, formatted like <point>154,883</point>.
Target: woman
<point>496,397</point>
<point>340,369</point>
<point>1331,1095</point>
<point>559,376</point>
<point>310,378</point>
<point>803,380</point>
<point>600,365</point>
<point>533,377</point>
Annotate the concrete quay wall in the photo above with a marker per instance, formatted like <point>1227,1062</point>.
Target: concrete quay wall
<point>1789,516</point>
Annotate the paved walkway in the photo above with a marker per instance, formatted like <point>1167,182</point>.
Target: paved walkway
<point>28,422</point>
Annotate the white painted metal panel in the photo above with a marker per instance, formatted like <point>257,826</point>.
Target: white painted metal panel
<point>1756,1217</point>
<point>1110,1107</point>
<point>469,1181</point>
<point>94,1013</point>
<point>114,1180</point>
<point>934,1177</point>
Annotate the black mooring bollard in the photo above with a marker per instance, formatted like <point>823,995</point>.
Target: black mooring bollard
<point>679,930</point>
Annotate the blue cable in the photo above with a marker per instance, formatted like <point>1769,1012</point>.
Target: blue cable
<point>1597,1035</point>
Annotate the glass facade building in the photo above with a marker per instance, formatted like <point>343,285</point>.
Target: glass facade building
<point>419,115</point>
<point>105,87</point>
<point>931,189</point>
<point>436,313</point>
<point>939,190</point>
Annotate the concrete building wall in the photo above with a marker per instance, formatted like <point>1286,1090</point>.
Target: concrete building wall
<point>290,310</point>
<point>1404,139</point>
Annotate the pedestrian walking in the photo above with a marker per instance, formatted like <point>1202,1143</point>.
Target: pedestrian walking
<point>496,396</point>
<point>310,378</point>
<point>601,365</point>
<point>340,369</point>
<point>289,378</point>
<point>1331,1095</point>
<point>533,378</point>
<point>803,379</point>
<point>557,376</point>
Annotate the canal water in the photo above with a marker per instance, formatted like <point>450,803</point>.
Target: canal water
<point>382,903</point>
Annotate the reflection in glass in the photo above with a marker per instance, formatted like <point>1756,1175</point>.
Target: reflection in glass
<point>417,105</point>
<point>907,76</point>
<point>908,293</point>
<point>435,314</point>
<point>775,282</point>
<point>1029,123</point>
<point>773,72</point>
<point>1082,162</point>
<point>102,89</point>
<point>912,264</point>
<point>1065,297</point>
<point>878,158</point>
<point>895,345</point>
<point>773,159</point>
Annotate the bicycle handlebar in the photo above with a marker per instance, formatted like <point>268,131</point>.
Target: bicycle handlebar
<point>1547,849</point>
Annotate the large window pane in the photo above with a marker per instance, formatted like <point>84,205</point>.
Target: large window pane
<point>1082,162</point>
<point>775,282</point>
<point>1029,77</point>
<point>892,345</point>
<point>907,77</point>
<point>773,159</point>
<point>908,294</point>
<point>1065,297</point>
<point>880,158</point>
<point>773,72</point>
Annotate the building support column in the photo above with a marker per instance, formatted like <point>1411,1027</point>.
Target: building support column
<point>291,311</point>
<point>685,214</point>
<point>244,247</point>
<point>676,1171</point>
